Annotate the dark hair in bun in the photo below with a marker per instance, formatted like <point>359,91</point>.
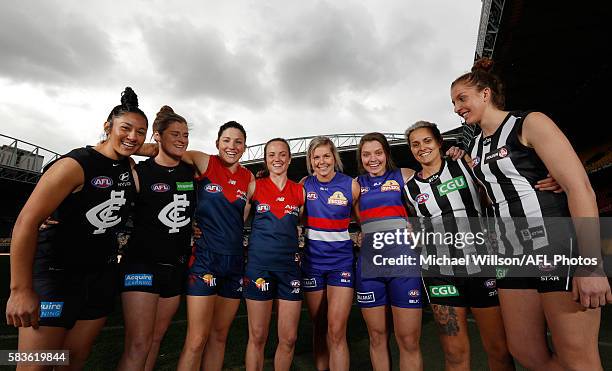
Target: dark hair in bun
<point>482,76</point>
<point>129,103</point>
<point>165,117</point>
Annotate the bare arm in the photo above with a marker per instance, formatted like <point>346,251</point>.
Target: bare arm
<point>55,185</point>
<point>407,174</point>
<point>541,133</point>
<point>250,192</point>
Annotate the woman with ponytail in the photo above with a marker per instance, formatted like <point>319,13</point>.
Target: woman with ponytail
<point>63,278</point>
<point>512,152</point>
<point>154,264</point>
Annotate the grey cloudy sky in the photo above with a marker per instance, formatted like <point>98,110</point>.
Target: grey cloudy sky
<point>281,68</point>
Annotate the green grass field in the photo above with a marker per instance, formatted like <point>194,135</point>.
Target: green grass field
<point>109,345</point>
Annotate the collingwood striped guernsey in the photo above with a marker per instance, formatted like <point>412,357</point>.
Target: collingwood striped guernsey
<point>509,171</point>
<point>448,201</point>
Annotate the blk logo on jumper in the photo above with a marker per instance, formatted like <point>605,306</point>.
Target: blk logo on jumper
<point>103,216</point>
<point>173,214</point>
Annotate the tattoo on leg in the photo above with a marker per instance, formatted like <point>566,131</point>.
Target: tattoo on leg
<point>446,318</point>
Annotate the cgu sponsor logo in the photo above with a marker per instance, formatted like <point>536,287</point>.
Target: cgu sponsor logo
<point>337,198</point>
<point>390,186</point>
<point>210,280</point>
<point>160,187</point>
<point>422,198</point>
<point>51,309</point>
<point>213,188</point>
<point>311,196</point>
<point>366,297</point>
<point>101,182</point>
<point>452,185</point>
<point>261,284</point>
<point>444,291</point>
<point>309,282</point>
<point>263,208</point>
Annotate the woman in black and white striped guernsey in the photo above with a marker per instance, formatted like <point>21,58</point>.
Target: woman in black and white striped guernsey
<point>512,152</point>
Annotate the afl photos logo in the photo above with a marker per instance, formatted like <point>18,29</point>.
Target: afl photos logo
<point>173,214</point>
<point>103,216</point>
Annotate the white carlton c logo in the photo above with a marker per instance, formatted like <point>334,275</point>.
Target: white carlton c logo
<point>171,214</point>
<point>103,216</point>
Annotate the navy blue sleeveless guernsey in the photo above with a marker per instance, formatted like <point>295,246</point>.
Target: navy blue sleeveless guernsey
<point>328,214</point>
<point>90,218</point>
<point>220,209</point>
<point>274,237</point>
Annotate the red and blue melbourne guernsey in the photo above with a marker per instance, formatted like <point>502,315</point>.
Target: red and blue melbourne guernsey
<point>219,212</point>
<point>274,239</point>
<point>382,196</point>
<point>328,213</point>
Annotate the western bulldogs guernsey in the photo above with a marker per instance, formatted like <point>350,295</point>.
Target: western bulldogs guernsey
<point>444,202</point>
<point>274,240</point>
<point>328,213</point>
<point>164,210</point>
<point>219,212</point>
<point>381,196</point>
<point>88,219</point>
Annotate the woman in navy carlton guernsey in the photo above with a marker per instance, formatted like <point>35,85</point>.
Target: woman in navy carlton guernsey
<point>63,288</point>
<point>154,263</point>
<point>272,271</point>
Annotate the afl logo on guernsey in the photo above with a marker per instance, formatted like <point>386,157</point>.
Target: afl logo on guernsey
<point>160,187</point>
<point>414,293</point>
<point>503,152</point>
<point>213,188</point>
<point>422,198</point>
<point>337,198</point>
<point>101,182</point>
<point>390,186</point>
<point>311,196</point>
<point>475,161</point>
<point>263,208</point>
